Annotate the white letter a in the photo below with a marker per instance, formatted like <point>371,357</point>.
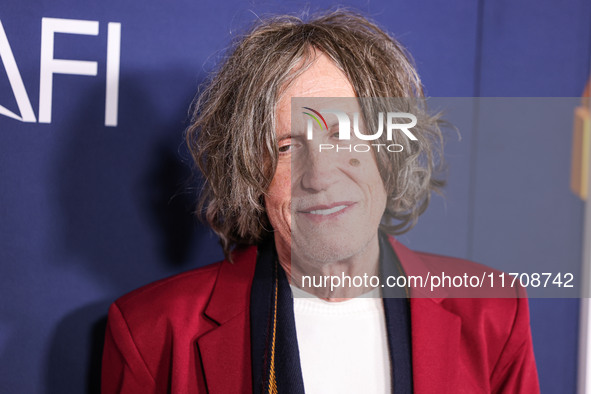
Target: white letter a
<point>16,83</point>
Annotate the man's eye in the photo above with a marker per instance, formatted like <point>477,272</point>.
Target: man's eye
<point>285,148</point>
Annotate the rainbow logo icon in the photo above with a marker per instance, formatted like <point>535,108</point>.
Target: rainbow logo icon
<point>315,118</point>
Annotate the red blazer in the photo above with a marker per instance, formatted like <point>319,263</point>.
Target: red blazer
<point>191,334</point>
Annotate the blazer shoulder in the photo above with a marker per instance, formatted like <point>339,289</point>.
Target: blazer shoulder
<point>495,319</point>
<point>188,291</point>
<point>453,264</point>
<point>498,307</point>
<point>187,295</point>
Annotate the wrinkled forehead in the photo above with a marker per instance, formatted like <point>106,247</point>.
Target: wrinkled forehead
<point>326,112</point>
<point>323,78</point>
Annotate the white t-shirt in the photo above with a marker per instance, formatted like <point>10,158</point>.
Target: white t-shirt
<point>343,345</point>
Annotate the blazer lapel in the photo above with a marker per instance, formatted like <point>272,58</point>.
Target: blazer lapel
<point>225,350</point>
<point>435,333</point>
<point>435,347</point>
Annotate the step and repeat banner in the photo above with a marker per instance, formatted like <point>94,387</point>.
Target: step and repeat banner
<point>97,191</point>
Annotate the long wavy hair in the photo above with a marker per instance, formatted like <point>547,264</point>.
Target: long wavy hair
<point>232,132</point>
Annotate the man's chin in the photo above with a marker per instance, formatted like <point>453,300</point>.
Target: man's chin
<point>318,253</point>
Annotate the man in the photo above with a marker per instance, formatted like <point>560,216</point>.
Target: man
<point>285,210</point>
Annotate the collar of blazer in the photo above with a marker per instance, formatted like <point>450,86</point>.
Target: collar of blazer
<point>225,350</point>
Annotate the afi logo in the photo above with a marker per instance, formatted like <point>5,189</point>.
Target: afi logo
<point>345,124</point>
<point>49,66</point>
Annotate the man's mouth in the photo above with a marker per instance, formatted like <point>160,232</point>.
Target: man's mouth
<point>325,210</point>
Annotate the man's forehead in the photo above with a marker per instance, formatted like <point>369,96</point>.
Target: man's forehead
<point>321,79</point>
<point>323,107</point>
<point>321,76</point>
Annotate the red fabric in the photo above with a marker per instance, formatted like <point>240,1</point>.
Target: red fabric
<point>191,334</point>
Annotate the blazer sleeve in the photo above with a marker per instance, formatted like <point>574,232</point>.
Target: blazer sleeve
<point>123,368</point>
<point>515,371</point>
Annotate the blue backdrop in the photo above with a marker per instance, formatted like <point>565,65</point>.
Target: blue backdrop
<point>89,212</point>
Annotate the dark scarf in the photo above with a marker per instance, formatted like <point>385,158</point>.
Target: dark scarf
<point>274,346</point>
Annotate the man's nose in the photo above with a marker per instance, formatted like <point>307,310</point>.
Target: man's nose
<point>319,170</point>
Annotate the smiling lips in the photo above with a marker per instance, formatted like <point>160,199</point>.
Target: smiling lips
<point>324,211</point>
<point>327,211</point>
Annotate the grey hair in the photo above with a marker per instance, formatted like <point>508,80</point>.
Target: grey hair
<point>232,132</point>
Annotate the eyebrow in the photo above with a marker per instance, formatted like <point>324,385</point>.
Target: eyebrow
<point>333,124</point>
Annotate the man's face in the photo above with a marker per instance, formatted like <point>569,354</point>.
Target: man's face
<point>325,207</point>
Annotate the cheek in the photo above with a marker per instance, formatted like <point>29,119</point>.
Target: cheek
<point>377,191</point>
<point>278,200</point>
<point>278,211</point>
